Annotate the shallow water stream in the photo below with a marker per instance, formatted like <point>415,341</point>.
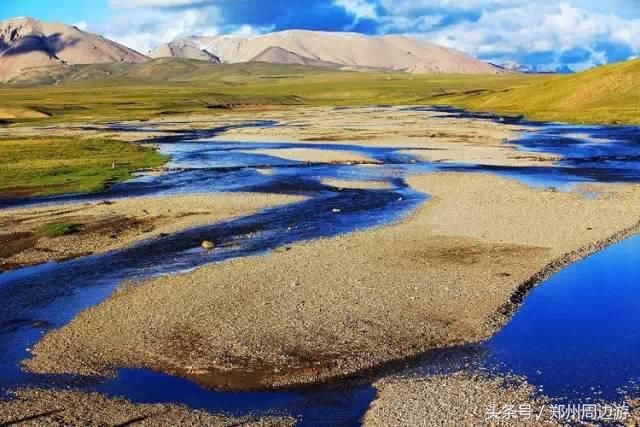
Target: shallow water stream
<point>573,326</point>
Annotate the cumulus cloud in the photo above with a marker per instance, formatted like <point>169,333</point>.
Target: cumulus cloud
<point>538,33</point>
<point>144,29</point>
<point>544,36</point>
<point>359,8</point>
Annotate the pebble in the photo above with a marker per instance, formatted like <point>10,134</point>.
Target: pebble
<point>208,245</point>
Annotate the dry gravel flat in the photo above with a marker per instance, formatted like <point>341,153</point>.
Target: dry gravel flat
<point>444,276</point>
<point>456,400</point>
<point>431,136</point>
<point>40,407</point>
<point>427,135</point>
<point>114,225</point>
<point>634,418</point>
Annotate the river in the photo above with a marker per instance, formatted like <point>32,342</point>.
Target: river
<point>576,337</point>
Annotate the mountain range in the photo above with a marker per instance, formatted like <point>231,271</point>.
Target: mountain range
<point>339,50</point>
<point>29,48</point>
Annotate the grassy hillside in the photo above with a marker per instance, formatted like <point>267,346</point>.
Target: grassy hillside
<point>165,86</point>
<point>609,94</point>
<point>168,86</point>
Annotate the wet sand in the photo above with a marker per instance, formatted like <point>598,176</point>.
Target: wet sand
<point>315,156</point>
<point>451,273</point>
<point>368,185</point>
<point>107,226</point>
<point>74,408</point>
<point>488,155</point>
<point>454,400</point>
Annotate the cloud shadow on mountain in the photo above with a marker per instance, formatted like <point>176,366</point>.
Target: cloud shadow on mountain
<point>33,43</point>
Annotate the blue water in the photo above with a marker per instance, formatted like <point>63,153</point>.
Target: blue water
<point>45,297</point>
<point>578,335</point>
<point>570,328</point>
<point>327,404</point>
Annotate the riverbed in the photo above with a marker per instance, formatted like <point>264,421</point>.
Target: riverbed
<point>566,318</point>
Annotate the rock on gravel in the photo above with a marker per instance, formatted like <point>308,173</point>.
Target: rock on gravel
<point>117,224</point>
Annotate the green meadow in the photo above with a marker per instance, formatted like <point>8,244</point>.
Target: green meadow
<point>45,166</point>
<point>165,87</point>
<point>100,93</point>
<point>161,87</point>
<point>606,95</point>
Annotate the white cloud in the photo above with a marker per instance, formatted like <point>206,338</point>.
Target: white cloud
<point>535,28</point>
<point>249,31</point>
<point>358,8</point>
<point>491,29</point>
<point>409,7</point>
<point>145,29</point>
<point>497,29</point>
<point>82,25</point>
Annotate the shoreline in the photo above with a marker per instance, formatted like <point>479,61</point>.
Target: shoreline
<point>522,292</point>
<point>74,407</point>
<point>267,342</point>
<point>100,227</point>
<point>366,330</point>
<point>457,398</point>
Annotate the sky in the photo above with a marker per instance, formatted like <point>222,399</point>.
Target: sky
<point>543,35</point>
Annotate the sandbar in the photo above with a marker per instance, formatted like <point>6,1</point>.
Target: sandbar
<point>451,273</point>
<point>110,225</point>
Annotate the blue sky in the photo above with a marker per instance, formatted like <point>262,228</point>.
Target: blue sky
<point>541,34</point>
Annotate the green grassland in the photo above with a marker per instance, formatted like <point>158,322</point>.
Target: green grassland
<point>165,87</point>
<point>608,94</point>
<point>99,93</point>
<point>45,166</point>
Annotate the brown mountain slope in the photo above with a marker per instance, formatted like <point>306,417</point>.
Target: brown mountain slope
<point>278,55</point>
<point>183,49</point>
<point>349,50</point>
<point>27,44</point>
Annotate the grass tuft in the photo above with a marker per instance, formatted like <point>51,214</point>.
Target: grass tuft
<point>59,229</point>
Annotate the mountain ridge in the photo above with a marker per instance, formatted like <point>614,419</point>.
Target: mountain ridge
<point>27,44</point>
<point>349,50</point>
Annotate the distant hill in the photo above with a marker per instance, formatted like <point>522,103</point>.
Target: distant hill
<point>515,67</point>
<point>167,71</point>
<point>278,55</point>
<point>346,50</point>
<point>605,94</point>
<point>28,46</point>
<point>186,48</point>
